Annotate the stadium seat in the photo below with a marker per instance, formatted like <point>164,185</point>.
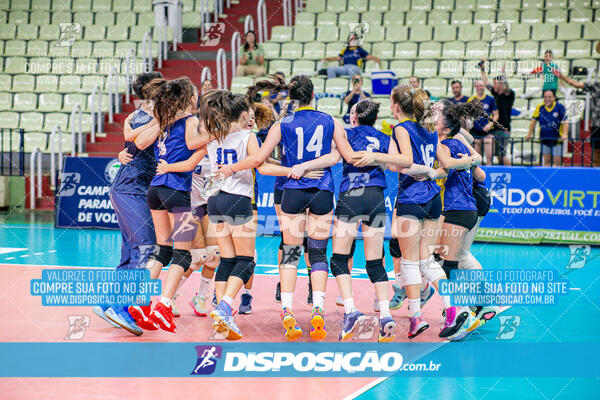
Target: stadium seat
<point>61,16</point>
<point>591,31</point>
<point>5,101</point>
<point>430,50</point>
<point>450,68</point>
<point>578,49</point>
<point>506,51</point>
<point>304,34</point>
<point>357,6</point>
<point>469,32</point>
<point>40,5</point>
<point>438,18</point>
<point>402,68</point>
<point>406,50</point>
<point>305,19</point>
<point>85,18</point>
<point>557,47</point>
<point>461,17</point>
<point>71,99</point>
<point>425,68</point>
<point>527,49</point>
<point>399,5</point>
<point>122,5</point>
<point>444,33</point>
<point>303,67</point>
<point>315,6</point>
<point>86,66</point>
<point>511,16</point>
<point>326,34</point>
<point>556,4</point>
<point>329,105</point>
<point>94,33</point>
<point>581,15</point>
<point>53,119</point>
<point>569,31</point>
<point>415,17</point>
<point>556,16</point>
<point>421,33</point>
<point>327,19</point>
<point>333,49</point>
<point>271,50</point>
<point>281,34</point>
<point>484,17</point>
<point>543,32</point>
<point>23,83</point>
<point>14,47</point>
<point>31,121</point>
<point>487,4</point>
<point>49,32</point>
<point>421,5</point>
<point>396,33</point>
<point>477,50</point>
<point>531,16</point>
<point>24,101</point>
<point>319,84</point>
<point>519,129</point>
<point>372,66</point>
<point>520,32</point>
<point>7,31</point>
<point>521,105</point>
<point>46,83</point>
<point>336,86</point>
<point>383,50</point>
<point>436,86</point>
<point>9,119</point>
<point>393,18</point>
<point>372,18</point>
<point>348,17</point>
<point>446,5</point>
<point>125,19</point>
<point>49,102</point>
<point>376,33</point>
<point>531,4</point>
<point>36,48</point>
<point>379,5</point>
<point>280,65</point>
<point>291,50</point>
<point>104,18</point>
<point>453,50</point>
<point>384,107</point>
<point>496,67</point>
<point>27,32</point>
<point>18,17</point>
<point>336,6</point>
<point>39,65</point>
<point>239,84</point>
<point>69,83</point>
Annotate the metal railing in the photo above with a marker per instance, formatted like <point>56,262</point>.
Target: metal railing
<point>287,12</point>
<point>236,43</point>
<point>163,43</point>
<point>129,72</point>
<point>299,7</point>
<point>221,69</point>
<point>261,17</point>
<point>147,51</point>
<point>56,132</point>
<point>36,154</point>
<point>96,113</point>
<point>588,98</point>
<point>248,23</point>
<point>203,16</point>
<point>205,74</point>
<point>7,154</point>
<point>112,84</point>
<point>79,142</point>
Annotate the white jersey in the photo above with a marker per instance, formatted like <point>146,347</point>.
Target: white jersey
<point>234,148</point>
<point>203,183</point>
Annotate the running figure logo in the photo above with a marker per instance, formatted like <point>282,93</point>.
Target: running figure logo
<point>574,110</point>
<point>212,33</point>
<point>207,359</point>
<point>579,254</point>
<point>68,183</point>
<point>360,29</point>
<point>508,326</point>
<point>367,327</point>
<point>77,326</point>
<point>500,182</point>
<point>69,32</point>
<point>499,33</point>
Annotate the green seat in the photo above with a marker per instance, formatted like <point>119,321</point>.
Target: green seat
<point>519,129</point>
<point>71,99</point>
<point>421,33</point>
<point>101,5</point>
<point>406,50</point>
<point>497,65</point>
<point>69,83</point>
<point>138,66</point>
<point>81,48</point>
<point>376,33</point>
<point>154,50</point>
<point>281,34</point>
<point>5,101</point>
<point>126,18</point>
<point>39,17</point>
<point>384,107</point>
<point>329,105</point>
<point>425,68</point>
<point>556,16</point>
<point>63,66</point>
<point>104,18</point>
<point>436,86</point>
<point>487,4</point>
<point>337,6</point>
<point>511,4</point>
<point>526,66</point>
<point>484,17</point>
<point>466,5</point>
<point>22,5</point>
<point>31,121</point>
<point>393,18</point>
<point>49,32</point>
<point>557,47</point>
<point>453,50</point>
<point>9,119</point>
<point>371,65</point>
<point>305,19</point>
<point>239,84</point>
<point>81,5</point>
<point>383,50</point>
<point>46,83</point>
<point>49,102</point>
<point>271,49</point>
<point>444,33</point>
<point>469,32</point>
<point>53,119</point>
<point>543,32</point>
<point>569,31</point>
<point>86,66</point>
<point>556,4</point>
<point>3,16</point>
<point>336,85</point>
<point>445,5</point>
<point>304,34</point>
<point>527,4</point>
<point>40,5</point>
<point>313,51</point>
<point>146,19</point>
<point>399,5</point>
<point>379,5</point>
<point>586,62</point>
<point>303,67</point>
<point>156,34</point>
<point>578,49</point>
<point>40,65</point>
<point>18,17</point>
<point>62,17</point>
<point>402,68</point>
<point>14,48</point>
<point>136,33</point>
<point>430,50</point>
<point>122,5</point>
<point>527,49</point>
<point>15,65</point>
<point>284,66</point>
<point>461,17</point>
<point>520,32</point>
<point>357,6</point>
<point>27,32</point>
<point>315,6</point>
<point>37,48</point>
<point>581,3</point>
<point>89,82</point>
<point>581,15</point>
<point>117,33</point>
<point>35,139</point>
<point>333,49</point>
<point>421,5</point>
<point>319,84</point>
<point>327,19</point>
<point>7,31</point>
<point>477,50</point>
<point>23,83</point>
<point>94,33</point>
<point>591,31</point>
<point>532,16</point>
<point>103,49</point>
<point>327,34</point>
<point>24,101</point>
<point>450,68</point>
<point>371,17</point>
<point>534,84</point>
<point>511,16</point>
<point>348,17</point>
<point>291,50</point>
<point>504,52</point>
<point>54,50</point>
<point>522,106</point>
<point>188,5</point>
<point>415,17</point>
<point>438,18</point>
<point>85,18</point>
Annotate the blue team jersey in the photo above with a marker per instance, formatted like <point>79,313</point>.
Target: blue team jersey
<point>463,99</point>
<point>476,183</point>
<point>135,177</point>
<point>364,138</point>
<point>353,55</point>
<point>172,148</point>
<point>424,147</point>
<point>489,105</point>
<point>550,120</point>
<point>281,180</point>
<point>305,136</point>
<point>458,189</point>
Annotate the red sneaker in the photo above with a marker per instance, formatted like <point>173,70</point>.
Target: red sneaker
<point>163,317</point>
<point>141,314</point>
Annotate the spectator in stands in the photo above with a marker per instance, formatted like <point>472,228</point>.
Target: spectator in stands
<point>594,89</point>
<point>354,96</point>
<point>351,57</point>
<point>415,83</point>
<point>553,128</point>
<point>206,86</point>
<point>505,98</point>
<point>252,57</point>
<point>483,128</point>
<point>550,81</point>
<point>457,92</point>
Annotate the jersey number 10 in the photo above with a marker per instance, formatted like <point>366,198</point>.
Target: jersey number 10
<point>226,156</point>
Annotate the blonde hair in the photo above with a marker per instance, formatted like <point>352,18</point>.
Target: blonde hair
<point>414,103</point>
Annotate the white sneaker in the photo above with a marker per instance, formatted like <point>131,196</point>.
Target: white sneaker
<point>339,301</point>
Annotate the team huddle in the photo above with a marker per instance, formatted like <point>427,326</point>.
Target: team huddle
<point>184,195</point>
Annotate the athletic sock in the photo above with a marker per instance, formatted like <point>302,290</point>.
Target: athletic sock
<point>414,307</point>
<point>384,309</point>
<point>318,299</point>
<point>287,300</point>
<point>446,300</point>
<point>166,301</point>
<point>228,301</point>
<point>246,291</point>
<point>349,305</point>
<point>204,284</point>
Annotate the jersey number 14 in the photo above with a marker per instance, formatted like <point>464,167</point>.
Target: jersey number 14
<point>315,145</point>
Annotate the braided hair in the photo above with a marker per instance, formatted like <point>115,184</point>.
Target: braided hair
<point>366,112</point>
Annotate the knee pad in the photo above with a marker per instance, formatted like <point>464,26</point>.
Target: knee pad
<point>468,261</point>
<point>395,248</point>
<point>339,264</point>
<point>317,254</point>
<point>438,258</point>
<point>291,256</point>
<point>183,258</point>
<point>376,271</point>
<point>198,258</point>
<point>410,271</point>
<point>224,271</point>
<point>449,266</point>
<point>244,268</point>
<point>431,270</point>
<point>163,254</point>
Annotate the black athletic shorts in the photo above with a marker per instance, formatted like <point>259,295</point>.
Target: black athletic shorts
<point>316,201</point>
<point>482,198</point>
<point>234,209</point>
<point>166,198</point>
<point>277,195</point>
<point>465,218</point>
<point>479,134</point>
<point>362,203</point>
<point>200,211</point>
<point>430,210</point>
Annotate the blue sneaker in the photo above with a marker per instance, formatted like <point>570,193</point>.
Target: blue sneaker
<point>427,294</point>
<point>100,310</point>
<point>399,296</point>
<point>246,304</point>
<point>214,300</point>
<point>349,325</point>
<point>387,330</point>
<point>223,322</point>
<point>119,315</point>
